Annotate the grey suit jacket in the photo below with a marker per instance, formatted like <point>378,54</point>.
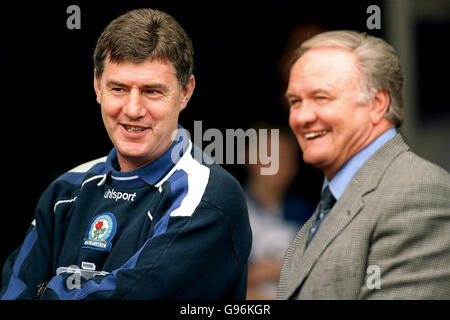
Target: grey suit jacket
<point>388,236</point>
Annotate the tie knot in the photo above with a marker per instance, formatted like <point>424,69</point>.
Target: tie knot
<point>327,201</point>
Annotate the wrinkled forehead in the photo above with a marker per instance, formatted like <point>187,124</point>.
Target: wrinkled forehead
<point>326,60</point>
<point>325,66</point>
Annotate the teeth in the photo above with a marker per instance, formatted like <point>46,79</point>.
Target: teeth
<point>313,135</point>
<point>134,129</point>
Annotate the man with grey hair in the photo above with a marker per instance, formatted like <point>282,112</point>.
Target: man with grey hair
<point>381,230</point>
<point>147,221</point>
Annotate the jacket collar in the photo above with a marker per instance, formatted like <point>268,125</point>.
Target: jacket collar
<point>344,175</point>
<point>152,173</point>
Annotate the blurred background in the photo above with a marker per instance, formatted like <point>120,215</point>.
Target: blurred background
<point>53,123</point>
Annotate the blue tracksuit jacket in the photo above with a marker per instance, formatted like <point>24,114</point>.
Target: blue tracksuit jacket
<point>174,229</point>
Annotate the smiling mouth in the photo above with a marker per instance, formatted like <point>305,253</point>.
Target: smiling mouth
<point>134,129</point>
<point>313,135</point>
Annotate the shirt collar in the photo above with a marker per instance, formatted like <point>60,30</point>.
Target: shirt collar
<point>345,174</point>
<point>151,173</point>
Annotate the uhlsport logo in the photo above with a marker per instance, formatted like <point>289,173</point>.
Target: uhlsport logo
<point>100,233</point>
<point>117,195</point>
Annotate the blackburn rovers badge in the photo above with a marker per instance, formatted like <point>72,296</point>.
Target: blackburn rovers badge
<point>100,233</point>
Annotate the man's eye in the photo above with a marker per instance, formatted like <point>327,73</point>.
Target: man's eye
<point>294,102</point>
<point>117,89</point>
<point>151,91</point>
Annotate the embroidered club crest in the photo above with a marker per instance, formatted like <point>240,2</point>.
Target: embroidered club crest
<point>100,233</point>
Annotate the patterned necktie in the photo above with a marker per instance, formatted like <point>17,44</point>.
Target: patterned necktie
<point>326,203</point>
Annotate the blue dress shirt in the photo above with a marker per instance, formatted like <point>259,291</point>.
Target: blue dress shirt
<point>345,174</point>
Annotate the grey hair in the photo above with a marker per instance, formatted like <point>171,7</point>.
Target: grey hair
<point>378,63</point>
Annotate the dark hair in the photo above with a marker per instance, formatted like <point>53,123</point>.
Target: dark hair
<point>142,34</point>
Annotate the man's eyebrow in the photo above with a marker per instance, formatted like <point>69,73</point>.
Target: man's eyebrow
<point>111,83</point>
<point>288,95</point>
<point>322,89</point>
<point>319,89</point>
<point>156,85</point>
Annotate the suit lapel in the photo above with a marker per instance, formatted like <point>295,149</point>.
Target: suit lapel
<point>299,260</point>
<point>292,269</point>
<point>305,257</point>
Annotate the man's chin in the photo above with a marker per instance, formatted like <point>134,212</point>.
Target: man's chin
<point>134,154</point>
<point>314,160</point>
<point>133,150</point>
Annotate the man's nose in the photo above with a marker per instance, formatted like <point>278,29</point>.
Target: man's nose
<point>134,107</point>
<point>305,114</point>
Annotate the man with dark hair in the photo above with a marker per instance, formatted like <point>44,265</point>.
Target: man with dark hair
<point>381,230</point>
<point>148,221</point>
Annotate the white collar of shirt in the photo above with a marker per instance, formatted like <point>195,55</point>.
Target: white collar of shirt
<point>345,174</point>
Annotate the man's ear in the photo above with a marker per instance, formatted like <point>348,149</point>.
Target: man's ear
<point>187,92</point>
<point>379,106</point>
<point>97,86</point>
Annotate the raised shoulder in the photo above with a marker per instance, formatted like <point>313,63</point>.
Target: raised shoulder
<point>224,191</point>
<point>88,169</point>
<point>412,169</point>
<point>88,165</point>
